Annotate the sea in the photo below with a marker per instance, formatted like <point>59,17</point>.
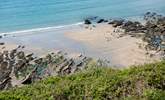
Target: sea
<point>33,15</point>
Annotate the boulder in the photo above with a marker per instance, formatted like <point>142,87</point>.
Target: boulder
<point>101,21</point>
<point>2,43</point>
<point>105,21</point>
<point>87,21</point>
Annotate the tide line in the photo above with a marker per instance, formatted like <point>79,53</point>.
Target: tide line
<point>42,29</point>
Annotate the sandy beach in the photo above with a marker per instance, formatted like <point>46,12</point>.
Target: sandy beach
<point>100,41</point>
<point>121,50</point>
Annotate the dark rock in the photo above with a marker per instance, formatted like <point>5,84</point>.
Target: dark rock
<point>20,64</point>
<point>4,74</point>
<point>128,23</point>
<point>116,23</point>
<point>62,66</point>
<point>101,21</point>
<point>4,83</point>
<point>13,53</point>
<point>31,77</point>
<point>135,27</point>
<point>19,46</point>
<point>21,55</point>
<point>3,47</point>
<point>23,47</point>
<point>6,54</point>
<point>80,64</point>
<point>30,55</point>
<point>38,61</point>
<point>105,21</point>
<point>155,26</point>
<point>2,43</point>
<point>4,66</point>
<point>4,34</point>
<point>16,63</point>
<point>111,22</point>
<point>87,21</point>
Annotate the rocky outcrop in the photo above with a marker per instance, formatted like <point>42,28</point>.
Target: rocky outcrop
<point>152,32</point>
<point>134,27</point>
<point>18,68</point>
<point>94,20</point>
<point>155,31</point>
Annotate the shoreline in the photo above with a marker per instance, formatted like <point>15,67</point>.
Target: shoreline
<point>58,27</point>
<point>99,41</point>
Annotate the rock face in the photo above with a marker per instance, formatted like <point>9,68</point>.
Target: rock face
<point>17,68</point>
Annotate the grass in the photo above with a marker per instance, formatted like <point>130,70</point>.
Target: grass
<point>97,83</point>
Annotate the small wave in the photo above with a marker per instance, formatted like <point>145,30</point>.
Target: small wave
<point>42,29</point>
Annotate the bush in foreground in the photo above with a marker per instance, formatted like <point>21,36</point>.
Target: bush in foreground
<point>141,82</point>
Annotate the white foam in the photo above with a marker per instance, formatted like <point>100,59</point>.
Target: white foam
<point>42,29</point>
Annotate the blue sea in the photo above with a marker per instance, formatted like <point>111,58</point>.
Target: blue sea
<point>18,15</point>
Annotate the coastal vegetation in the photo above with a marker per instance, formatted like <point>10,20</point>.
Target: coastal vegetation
<point>99,83</point>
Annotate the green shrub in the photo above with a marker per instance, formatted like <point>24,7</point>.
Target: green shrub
<point>99,83</point>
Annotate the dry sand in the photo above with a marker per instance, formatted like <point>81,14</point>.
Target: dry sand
<point>123,51</point>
